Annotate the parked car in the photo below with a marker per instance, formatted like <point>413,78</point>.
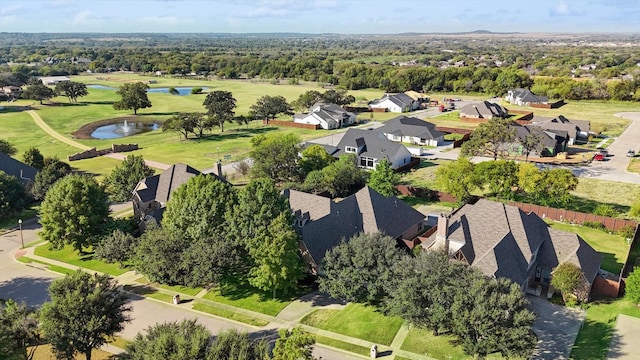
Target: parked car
<point>598,157</point>
<point>631,153</point>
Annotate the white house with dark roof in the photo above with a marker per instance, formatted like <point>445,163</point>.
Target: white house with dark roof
<point>324,223</point>
<point>328,116</point>
<point>503,241</point>
<point>370,147</point>
<point>412,130</point>
<point>524,97</point>
<point>398,103</point>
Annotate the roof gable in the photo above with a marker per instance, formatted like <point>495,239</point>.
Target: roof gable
<point>370,143</point>
<point>21,171</point>
<point>410,126</point>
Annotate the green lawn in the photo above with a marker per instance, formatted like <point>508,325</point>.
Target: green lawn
<point>54,268</point>
<point>150,292</point>
<point>238,293</point>
<point>177,288</point>
<point>608,192</point>
<point>70,256</point>
<point>358,321</point>
<point>595,334</point>
<point>356,349</point>
<point>229,314</point>
<point>423,342</point>
<point>614,248</point>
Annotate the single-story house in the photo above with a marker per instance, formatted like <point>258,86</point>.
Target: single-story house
<point>524,97</point>
<point>324,223</point>
<point>370,147</point>
<point>398,103</point>
<point>578,130</point>
<point>503,241</point>
<point>412,130</point>
<point>328,116</point>
<point>483,110</point>
<point>150,196</point>
<point>553,142</point>
<point>11,92</point>
<point>24,173</point>
<point>53,80</point>
<point>417,96</point>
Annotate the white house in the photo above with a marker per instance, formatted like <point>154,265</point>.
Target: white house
<point>328,116</point>
<point>52,80</point>
<point>398,103</point>
<point>524,97</point>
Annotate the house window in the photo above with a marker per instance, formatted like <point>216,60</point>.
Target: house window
<point>350,149</point>
<point>367,162</point>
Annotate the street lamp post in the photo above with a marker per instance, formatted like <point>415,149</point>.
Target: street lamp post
<point>218,148</point>
<point>21,238</point>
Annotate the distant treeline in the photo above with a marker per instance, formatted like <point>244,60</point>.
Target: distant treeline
<point>434,65</point>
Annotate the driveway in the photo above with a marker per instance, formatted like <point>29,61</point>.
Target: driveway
<point>556,327</point>
<point>624,343</point>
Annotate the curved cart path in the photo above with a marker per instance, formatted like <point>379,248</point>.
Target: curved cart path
<point>46,128</point>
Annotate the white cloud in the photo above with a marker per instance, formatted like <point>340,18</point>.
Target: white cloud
<point>86,17</point>
<point>563,9</point>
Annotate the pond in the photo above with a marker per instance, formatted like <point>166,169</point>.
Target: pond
<point>182,91</point>
<point>115,131</point>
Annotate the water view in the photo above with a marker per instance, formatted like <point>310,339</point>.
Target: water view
<point>123,129</point>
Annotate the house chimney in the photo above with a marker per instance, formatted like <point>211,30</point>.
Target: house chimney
<point>442,238</point>
<point>218,169</point>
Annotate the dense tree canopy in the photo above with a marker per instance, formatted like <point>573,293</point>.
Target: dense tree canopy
<point>491,138</point>
<point>632,288</point>
<point>74,210</point>
<point>275,157</point>
<point>52,171</point>
<point>185,123</point>
<point>314,157</point>
<point>457,178</point>
<point>7,148</point>
<point>220,105</point>
<point>121,181</point>
<point>268,107</point>
<point>133,96</point>
<point>383,179</point>
<point>343,177</point>
<point>72,90</point>
<point>185,340</point>
<point>33,157</point>
<point>13,197</point>
<point>38,92</point>
<point>19,333</point>
<point>85,310</point>
<point>294,344</point>
<point>196,209</point>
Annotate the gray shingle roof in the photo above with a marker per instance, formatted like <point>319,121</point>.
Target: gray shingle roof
<point>483,109</point>
<point>501,240</point>
<point>159,187</point>
<point>332,221</point>
<point>527,96</point>
<point>400,99</point>
<point>561,123</point>
<point>23,172</point>
<point>371,143</point>
<point>410,126</point>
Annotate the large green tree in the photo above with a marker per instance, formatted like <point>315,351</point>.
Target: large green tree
<point>533,142</point>
<point>491,138</point>
<point>383,179</point>
<point>500,176</point>
<point>220,105</point>
<point>85,310</point>
<point>234,345</point>
<point>121,181</point>
<point>344,177</point>
<point>196,209</point>
<point>359,269</point>
<point>275,157</point>
<point>72,90</point>
<point>38,92</point>
<point>133,96</point>
<point>278,265</point>
<point>33,157</point>
<point>185,123</point>
<point>52,171</point>
<point>158,255</point>
<point>294,344</point>
<point>19,333</point>
<point>209,261</point>
<point>7,148</point>
<point>268,107</point>
<point>306,100</point>
<point>185,340</point>
<point>314,157</point>
<point>74,210</point>
<point>13,197</point>
<point>457,178</point>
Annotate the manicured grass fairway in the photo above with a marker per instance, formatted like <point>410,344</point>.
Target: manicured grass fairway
<point>595,334</point>
<point>70,256</point>
<point>358,321</point>
<point>613,247</point>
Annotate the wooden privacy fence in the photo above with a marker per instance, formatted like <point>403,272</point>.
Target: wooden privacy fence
<point>93,152</point>
<point>573,216</point>
<point>553,105</point>
<point>291,124</point>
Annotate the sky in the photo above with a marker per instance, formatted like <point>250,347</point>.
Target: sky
<point>319,16</point>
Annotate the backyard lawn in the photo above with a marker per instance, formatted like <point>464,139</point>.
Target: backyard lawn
<point>595,334</point>
<point>358,321</point>
<point>71,256</point>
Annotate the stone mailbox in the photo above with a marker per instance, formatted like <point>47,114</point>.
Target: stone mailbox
<point>176,299</point>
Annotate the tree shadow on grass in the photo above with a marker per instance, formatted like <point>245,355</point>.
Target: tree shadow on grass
<point>105,102</point>
<point>593,340</point>
<point>141,290</point>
